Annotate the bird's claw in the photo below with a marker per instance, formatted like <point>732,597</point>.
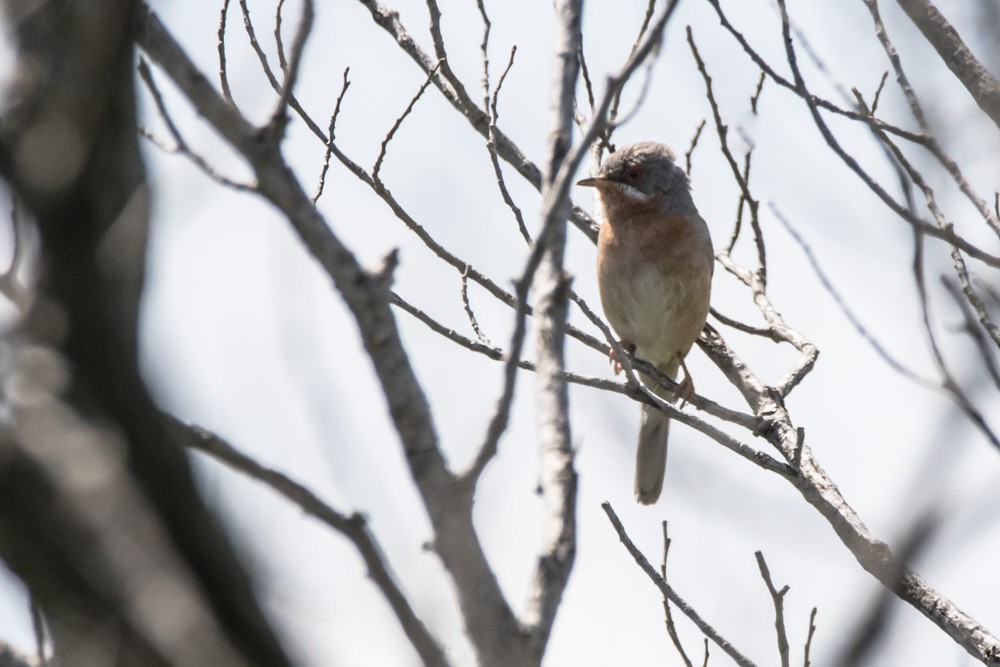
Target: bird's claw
<point>616,366</point>
<point>685,388</point>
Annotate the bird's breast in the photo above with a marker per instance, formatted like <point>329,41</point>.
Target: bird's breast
<point>655,279</point>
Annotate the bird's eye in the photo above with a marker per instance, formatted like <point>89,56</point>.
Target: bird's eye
<point>633,174</point>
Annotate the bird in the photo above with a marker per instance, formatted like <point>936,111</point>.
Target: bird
<point>654,270</point>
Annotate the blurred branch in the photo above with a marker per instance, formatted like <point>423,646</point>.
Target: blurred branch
<point>100,516</point>
<point>986,350</point>
<point>11,285</point>
<point>9,657</point>
<point>916,110</point>
<point>353,527</point>
<point>983,87</point>
<point>841,303</point>
<point>557,474</point>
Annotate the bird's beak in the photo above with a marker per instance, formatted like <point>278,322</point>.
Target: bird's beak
<point>592,182</point>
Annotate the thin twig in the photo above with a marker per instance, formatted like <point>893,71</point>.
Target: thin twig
<point>613,112</point>
<point>916,110</point>
<point>841,303</point>
<point>11,285</point>
<point>279,42</point>
<point>275,128</point>
<point>223,69</point>
<point>668,617</point>
<point>986,351</point>
<point>396,125</point>
<point>878,91</point>
<point>353,527</point>
<point>691,147</point>
<point>38,629</point>
<point>255,45</point>
<point>778,598</point>
<point>331,137</point>
<point>809,637</point>
<point>756,93</point>
<point>439,50</point>
<point>181,146</point>
<point>478,118</point>
<point>495,159</point>
<point>763,332</point>
<point>557,191</point>
<point>815,103</point>
<point>755,456</point>
<point>468,310</point>
<point>742,181</point>
<point>669,592</point>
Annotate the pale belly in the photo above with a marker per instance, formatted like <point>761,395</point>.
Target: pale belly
<point>657,312</point>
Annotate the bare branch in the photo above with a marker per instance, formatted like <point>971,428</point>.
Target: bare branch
<point>275,128</point>
<point>255,45</point>
<point>917,111</point>
<point>878,91</point>
<point>180,146</point>
<point>668,591</point>
<point>468,310</point>
<point>815,103</point>
<point>668,617</point>
<point>11,285</point>
<point>778,598</point>
<point>389,21</point>
<point>279,41</point>
<point>983,87</point>
<point>983,344</point>
<point>756,93</point>
<point>809,637</point>
<point>396,125</point>
<point>692,146</point>
<point>742,178</point>
<point>331,134</point>
<point>38,630</point>
<point>494,158</point>
<point>616,103</point>
<point>882,352</point>
<point>490,622</point>
<point>353,527</point>
<point>223,68</point>
<point>557,475</point>
<point>768,333</point>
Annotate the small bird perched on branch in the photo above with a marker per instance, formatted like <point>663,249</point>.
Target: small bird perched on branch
<point>654,269</point>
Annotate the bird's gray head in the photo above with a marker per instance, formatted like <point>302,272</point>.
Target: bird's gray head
<point>642,173</point>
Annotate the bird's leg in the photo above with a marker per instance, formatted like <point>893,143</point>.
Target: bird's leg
<point>615,363</point>
<point>685,388</point>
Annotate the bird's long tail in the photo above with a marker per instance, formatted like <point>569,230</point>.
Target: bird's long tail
<point>651,455</point>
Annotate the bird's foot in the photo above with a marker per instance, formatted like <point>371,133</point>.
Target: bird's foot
<point>685,388</point>
<point>615,363</point>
